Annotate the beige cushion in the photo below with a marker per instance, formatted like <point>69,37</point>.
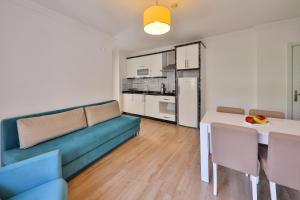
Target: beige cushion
<point>38,129</point>
<point>267,113</point>
<point>230,110</point>
<point>101,113</point>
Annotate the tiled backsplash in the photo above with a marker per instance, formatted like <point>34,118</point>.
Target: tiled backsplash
<point>151,84</point>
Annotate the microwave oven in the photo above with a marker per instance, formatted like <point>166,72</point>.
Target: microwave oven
<point>143,72</point>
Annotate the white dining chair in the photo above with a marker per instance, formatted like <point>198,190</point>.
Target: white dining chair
<point>267,113</point>
<point>230,110</point>
<point>235,147</point>
<point>281,161</point>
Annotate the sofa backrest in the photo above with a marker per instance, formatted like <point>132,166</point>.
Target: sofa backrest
<point>9,130</point>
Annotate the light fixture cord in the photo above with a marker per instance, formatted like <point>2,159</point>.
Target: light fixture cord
<point>157,2</point>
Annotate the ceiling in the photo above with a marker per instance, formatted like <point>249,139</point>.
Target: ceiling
<point>191,20</point>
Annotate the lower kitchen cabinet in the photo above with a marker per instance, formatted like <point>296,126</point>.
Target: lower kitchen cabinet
<point>134,103</point>
<point>168,117</point>
<point>166,108</point>
<point>128,103</point>
<point>139,104</point>
<point>151,106</point>
<point>160,107</point>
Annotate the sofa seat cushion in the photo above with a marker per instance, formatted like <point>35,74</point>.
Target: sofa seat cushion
<point>53,190</point>
<point>78,143</point>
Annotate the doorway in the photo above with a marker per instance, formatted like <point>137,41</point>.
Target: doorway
<point>294,65</point>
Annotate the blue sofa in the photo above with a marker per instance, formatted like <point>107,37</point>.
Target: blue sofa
<point>78,149</point>
<point>35,178</point>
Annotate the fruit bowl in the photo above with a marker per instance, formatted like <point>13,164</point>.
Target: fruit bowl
<point>256,119</point>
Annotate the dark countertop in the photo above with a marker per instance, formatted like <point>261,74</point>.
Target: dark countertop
<point>156,93</point>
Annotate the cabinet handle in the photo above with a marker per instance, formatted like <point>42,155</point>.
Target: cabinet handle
<point>187,63</point>
<point>296,95</point>
<point>166,117</point>
<point>167,99</point>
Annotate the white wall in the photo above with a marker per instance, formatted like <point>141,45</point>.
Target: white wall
<point>231,72</point>
<point>123,72</point>
<point>49,61</point>
<point>116,74</point>
<point>119,73</point>
<point>256,61</point>
<point>273,40</point>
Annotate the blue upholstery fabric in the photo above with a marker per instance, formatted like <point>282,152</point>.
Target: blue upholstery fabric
<point>52,190</point>
<point>9,130</point>
<point>77,143</point>
<point>78,149</point>
<point>80,163</point>
<point>30,174</point>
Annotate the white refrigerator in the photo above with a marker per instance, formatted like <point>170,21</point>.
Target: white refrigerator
<point>188,101</point>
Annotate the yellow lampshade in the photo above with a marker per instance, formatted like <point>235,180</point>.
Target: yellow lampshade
<point>157,20</point>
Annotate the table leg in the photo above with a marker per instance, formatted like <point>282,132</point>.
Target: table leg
<point>204,152</point>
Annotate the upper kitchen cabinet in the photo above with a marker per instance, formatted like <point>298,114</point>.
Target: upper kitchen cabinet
<point>145,66</point>
<point>187,57</point>
<point>168,59</point>
<point>155,64</point>
<point>132,66</point>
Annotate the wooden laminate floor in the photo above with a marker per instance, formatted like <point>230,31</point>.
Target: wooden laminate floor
<point>162,163</point>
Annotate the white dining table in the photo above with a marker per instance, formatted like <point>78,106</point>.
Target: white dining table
<point>275,125</point>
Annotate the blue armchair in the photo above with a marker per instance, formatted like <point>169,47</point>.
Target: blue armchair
<point>36,178</point>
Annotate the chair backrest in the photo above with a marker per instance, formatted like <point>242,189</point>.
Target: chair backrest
<point>267,113</point>
<point>235,147</point>
<point>284,159</point>
<point>230,110</point>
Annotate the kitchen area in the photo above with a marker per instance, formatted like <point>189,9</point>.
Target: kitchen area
<point>165,85</point>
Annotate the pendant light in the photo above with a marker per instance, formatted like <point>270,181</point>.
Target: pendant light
<point>157,20</point>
